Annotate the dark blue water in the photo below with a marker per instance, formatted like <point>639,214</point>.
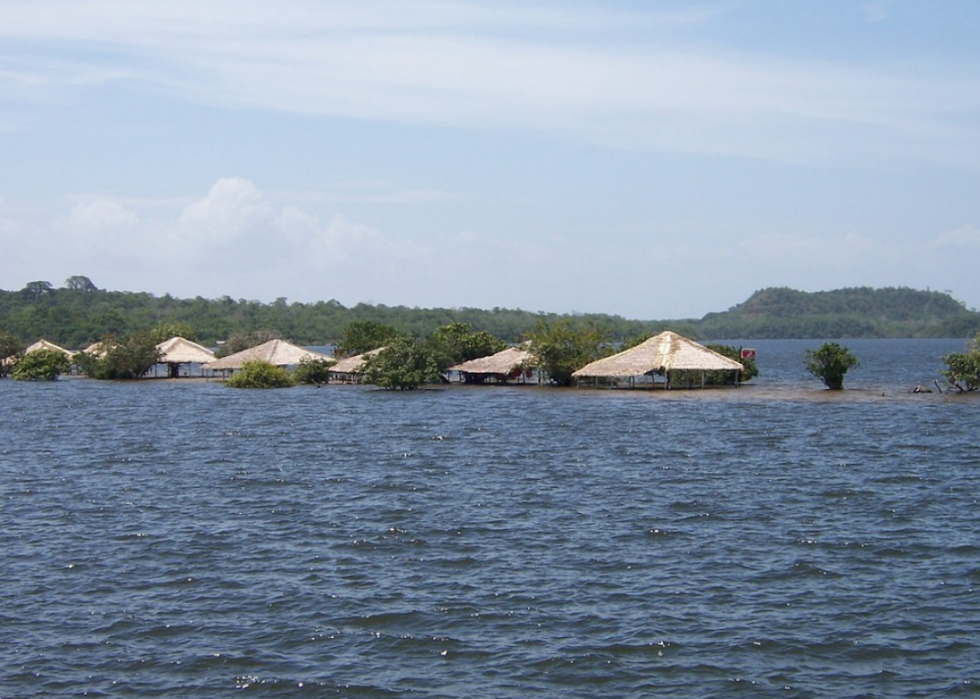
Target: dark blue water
<point>183,539</point>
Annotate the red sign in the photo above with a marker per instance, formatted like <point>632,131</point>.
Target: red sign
<point>748,353</point>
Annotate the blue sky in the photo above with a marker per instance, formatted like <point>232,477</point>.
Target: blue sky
<point>649,159</point>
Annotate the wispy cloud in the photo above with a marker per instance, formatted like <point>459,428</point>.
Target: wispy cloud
<point>503,66</point>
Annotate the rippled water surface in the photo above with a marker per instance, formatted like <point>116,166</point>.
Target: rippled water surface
<point>183,539</point>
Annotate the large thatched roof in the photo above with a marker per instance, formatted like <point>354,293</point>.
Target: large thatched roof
<point>502,363</point>
<point>667,351</point>
<point>178,350</point>
<point>43,344</point>
<point>353,365</point>
<point>278,352</point>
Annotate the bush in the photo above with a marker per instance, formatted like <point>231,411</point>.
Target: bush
<point>129,358</point>
<point>260,374</point>
<point>566,347</point>
<point>42,365</point>
<point>963,369</point>
<point>313,370</point>
<point>404,365</point>
<point>830,363</point>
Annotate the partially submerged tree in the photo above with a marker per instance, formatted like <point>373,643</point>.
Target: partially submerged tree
<point>963,368</point>
<point>564,347</point>
<point>41,365</point>
<point>260,374</point>
<point>830,363</point>
<point>404,364</point>
<point>128,358</point>
<point>456,342</point>
<point>315,371</point>
<point>10,347</point>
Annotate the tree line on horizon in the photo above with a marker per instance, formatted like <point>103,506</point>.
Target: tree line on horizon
<point>79,313</point>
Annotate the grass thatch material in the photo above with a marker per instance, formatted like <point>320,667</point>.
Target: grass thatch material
<point>276,352</point>
<point>178,350</point>
<point>43,344</point>
<point>353,365</point>
<point>502,363</point>
<point>665,352</point>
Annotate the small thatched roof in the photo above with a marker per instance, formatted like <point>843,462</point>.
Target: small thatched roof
<point>501,363</point>
<point>97,349</point>
<point>667,351</point>
<point>353,365</point>
<point>178,350</point>
<point>278,352</point>
<point>43,344</point>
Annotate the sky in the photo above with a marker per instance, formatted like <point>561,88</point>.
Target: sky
<point>655,160</point>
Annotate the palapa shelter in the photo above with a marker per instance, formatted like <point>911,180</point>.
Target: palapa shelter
<point>350,368</point>
<point>43,344</point>
<point>659,355</point>
<point>178,350</point>
<point>511,363</point>
<point>277,352</point>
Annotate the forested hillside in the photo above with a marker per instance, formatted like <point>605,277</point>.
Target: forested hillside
<point>843,313</point>
<point>80,313</point>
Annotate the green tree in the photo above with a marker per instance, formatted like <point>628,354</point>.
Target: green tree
<point>456,342</point>
<point>173,328</point>
<point>41,365</point>
<point>129,358</point>
<point>404,364</point>
<point>260,374</point>
<point>963,368</point>
<point>564,347</point>
<point>829,363</point>
<point>365,335</point>
<point>9,349</point>
<point>314,371</point>
<point>80,283</point>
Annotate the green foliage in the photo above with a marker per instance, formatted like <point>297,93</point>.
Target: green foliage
<point>564,347</point>
<point>173,328</point>
<point>80,283</point>
<point>10,347</point>
<point>456,342</point>
<point>241,341</point>
<point>963,368</point>
<point>129,358</point>
<point>315,371</point>
<point>41,365</point>
<point>363,336</point>
<point>854,312</point>
<point>260,374</point>
<point>404,364</point>
<point>720,378</point>
<point>829,363</point>
<point>78,315</point>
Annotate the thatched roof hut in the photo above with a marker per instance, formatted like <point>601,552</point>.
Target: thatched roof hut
<point>351,367</point>
<point>43,344</point>
<point>277,352</point>
<point>509,363</point>
<point>98,349</point>
<point>661,354</point>
<point>178,350</point>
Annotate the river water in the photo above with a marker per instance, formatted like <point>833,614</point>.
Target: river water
<point>183,539</point>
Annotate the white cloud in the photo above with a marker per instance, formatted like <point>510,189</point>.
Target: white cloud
<point>963,237</point>
<point>234,210</point>
<point>506,66</point>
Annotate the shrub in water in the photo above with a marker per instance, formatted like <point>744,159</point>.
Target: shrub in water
<point>260,374</point>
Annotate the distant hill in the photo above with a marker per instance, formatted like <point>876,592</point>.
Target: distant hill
<point>855,312</point>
